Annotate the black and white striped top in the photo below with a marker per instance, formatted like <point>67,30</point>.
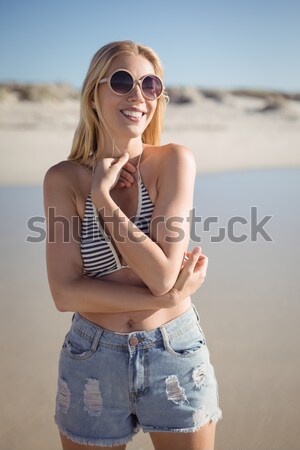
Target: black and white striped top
<point>98,253</point>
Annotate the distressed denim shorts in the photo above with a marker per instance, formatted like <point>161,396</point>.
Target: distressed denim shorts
<point>111,385</point>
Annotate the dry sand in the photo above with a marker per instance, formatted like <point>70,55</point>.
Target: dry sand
<point>254,312</point>
<point>229,134</point>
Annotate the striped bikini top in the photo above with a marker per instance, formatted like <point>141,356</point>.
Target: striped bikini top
<point>98,253</point>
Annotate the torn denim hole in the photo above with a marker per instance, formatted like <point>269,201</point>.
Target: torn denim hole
<point>200,417</point>
<point>64,396</point>
<point>199,375</point>
<point>92,399</point>
<point>174,391</point>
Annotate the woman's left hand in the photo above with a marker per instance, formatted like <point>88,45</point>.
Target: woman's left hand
<point>192,274</point>
<point>126,179</point>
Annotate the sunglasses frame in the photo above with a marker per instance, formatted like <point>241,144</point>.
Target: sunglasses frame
<point>135,82</point>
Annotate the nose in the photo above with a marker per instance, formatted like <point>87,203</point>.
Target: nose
<point>136,94</point>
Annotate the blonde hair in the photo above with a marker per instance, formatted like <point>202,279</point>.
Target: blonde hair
<point>90,130</point>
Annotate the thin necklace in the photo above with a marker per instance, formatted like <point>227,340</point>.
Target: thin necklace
<point>114,146</point>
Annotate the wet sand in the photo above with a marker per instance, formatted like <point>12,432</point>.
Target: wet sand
<point>249,303</point>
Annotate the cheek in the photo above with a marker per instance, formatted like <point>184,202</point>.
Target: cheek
<point>151,112</point>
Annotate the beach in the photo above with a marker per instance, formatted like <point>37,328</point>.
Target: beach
<point>247,154</point>
<point>226,133</point>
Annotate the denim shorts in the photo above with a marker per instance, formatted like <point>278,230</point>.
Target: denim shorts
<point>111,385</point>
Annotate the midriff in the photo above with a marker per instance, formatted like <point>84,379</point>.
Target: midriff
<point>127,322</point>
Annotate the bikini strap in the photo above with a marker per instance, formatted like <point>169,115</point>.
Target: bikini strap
<point>94,163</point>
<point>139,160</point>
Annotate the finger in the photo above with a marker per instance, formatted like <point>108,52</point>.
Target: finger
<point>196,251</point>
<point>129,167</point>
<point>126,176</point>
<point>202,259</point>
<point>120,161</point>
<point>202,265</point>
<point>118,165</point>
<point>126,183</point>
<point>187,254</point>
<point>193,259</point>
<point>120,185</point>
<point>123,159</point>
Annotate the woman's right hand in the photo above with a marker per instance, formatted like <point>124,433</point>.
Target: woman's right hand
<point>106,176</point>
<point>191,276</point>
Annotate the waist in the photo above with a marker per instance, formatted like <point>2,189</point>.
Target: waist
<point>89,330</point>
<point>126,323</point>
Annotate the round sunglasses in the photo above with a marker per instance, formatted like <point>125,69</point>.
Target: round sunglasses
<point>122,82</point>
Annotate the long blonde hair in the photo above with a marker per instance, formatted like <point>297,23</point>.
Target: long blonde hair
<point>91,126</point>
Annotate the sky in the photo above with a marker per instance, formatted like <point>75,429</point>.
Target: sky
<point>209,44</point>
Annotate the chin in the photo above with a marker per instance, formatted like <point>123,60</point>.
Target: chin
<point>135,131</point>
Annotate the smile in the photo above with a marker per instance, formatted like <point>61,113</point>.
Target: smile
<point>132,114</point>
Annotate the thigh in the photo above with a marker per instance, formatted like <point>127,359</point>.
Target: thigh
<point>67,444</point>
<point>203,439</point>
<point>181,394</point>
<point>92,402</point>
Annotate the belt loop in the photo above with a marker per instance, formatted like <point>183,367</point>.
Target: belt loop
<point>164,335</point>
<point>196,312</point>
<point>97,339</point>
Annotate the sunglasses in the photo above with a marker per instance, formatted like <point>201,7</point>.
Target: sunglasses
<point>121,82</point>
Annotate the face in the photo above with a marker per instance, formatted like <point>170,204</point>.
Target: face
<point>127,116</point>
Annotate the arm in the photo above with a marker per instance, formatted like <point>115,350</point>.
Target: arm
<point>155,260</point>
<point>73,291</point>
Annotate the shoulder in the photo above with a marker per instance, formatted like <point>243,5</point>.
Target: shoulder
<point>179,153</point>
<point>61,170</point>
<point>64,174</point>
<point>173,156</point>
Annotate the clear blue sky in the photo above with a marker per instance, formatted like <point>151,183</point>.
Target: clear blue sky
<point>254,44</point>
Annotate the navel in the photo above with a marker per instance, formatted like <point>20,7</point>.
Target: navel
<point>130,323</point>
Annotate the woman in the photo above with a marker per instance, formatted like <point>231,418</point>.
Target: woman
<point>135,356</point>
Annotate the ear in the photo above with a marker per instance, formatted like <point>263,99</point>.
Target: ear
<point>93,105</point>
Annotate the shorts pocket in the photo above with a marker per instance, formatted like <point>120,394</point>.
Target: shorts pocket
<point>185,343</point>
<point>76,346</point>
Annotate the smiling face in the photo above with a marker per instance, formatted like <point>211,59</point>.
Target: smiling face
<point>126,117</point>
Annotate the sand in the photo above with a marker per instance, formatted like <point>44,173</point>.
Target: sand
<point>248,305</point>
<point>232,134</point>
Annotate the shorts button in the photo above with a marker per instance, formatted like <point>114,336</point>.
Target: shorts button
<point>133,341</point>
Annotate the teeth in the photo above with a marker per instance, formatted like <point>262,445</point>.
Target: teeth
<point>133,113</point>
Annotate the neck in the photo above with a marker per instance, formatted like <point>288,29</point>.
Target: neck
<point>114,148</point>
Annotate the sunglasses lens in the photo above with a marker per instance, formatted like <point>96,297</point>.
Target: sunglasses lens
<point>152,87</point>
<point>121,82</point>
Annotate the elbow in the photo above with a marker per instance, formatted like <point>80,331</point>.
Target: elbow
<point>64,292</point>
<point>59,303</point>
<point>161,286</point>
<point>159,292</point>
<point>60,306</point>
<point>60,299</point>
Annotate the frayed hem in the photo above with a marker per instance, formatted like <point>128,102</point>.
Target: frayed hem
<point>217,416</point>
<point>213,418</point>
<point>91,441</point>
